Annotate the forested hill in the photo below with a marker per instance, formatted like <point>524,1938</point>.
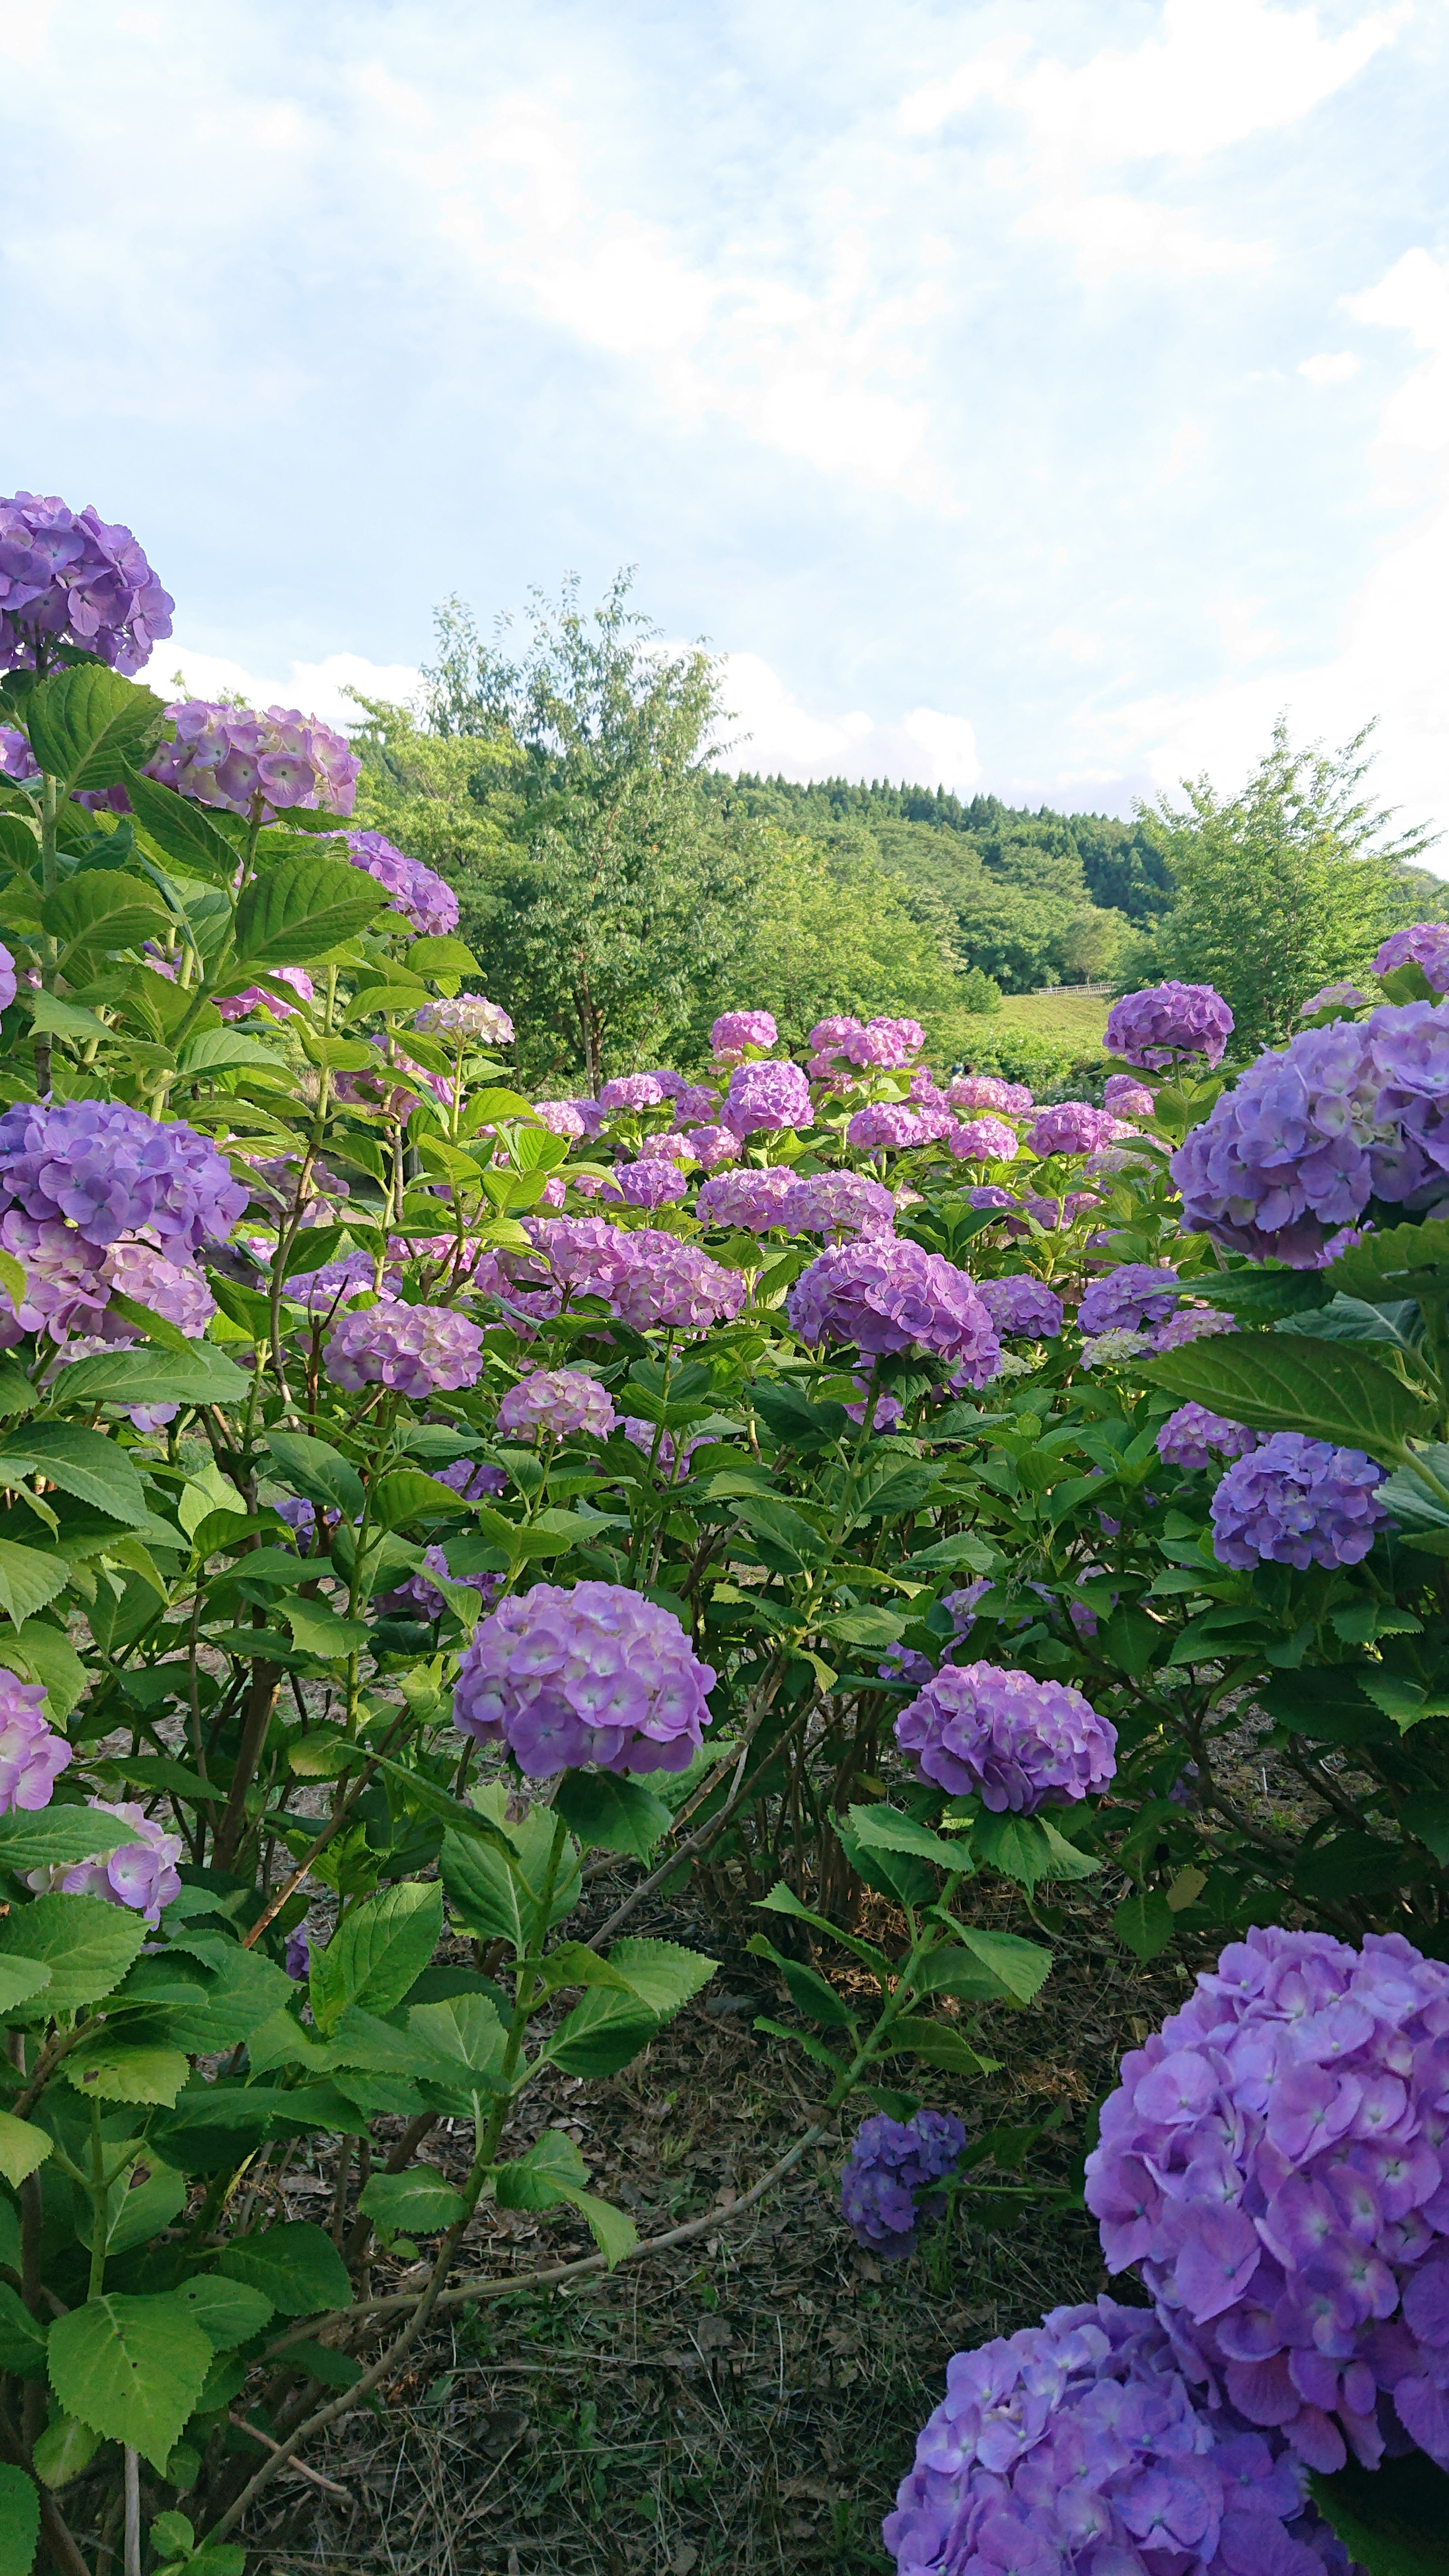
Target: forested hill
<point>1120,865</point>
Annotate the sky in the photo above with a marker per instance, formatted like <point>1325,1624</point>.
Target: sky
<point>1032,397</point>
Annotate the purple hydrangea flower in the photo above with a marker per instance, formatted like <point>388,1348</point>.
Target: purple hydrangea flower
<point>771,1093</point>
<point>645,1434</point>
<point>669,1145</point>
<point>9,985</point>
<point>828,1037</point>
<point>1021,1743</point>
<point>31,1757</point>
<point>839,1203</point>
<point>1154,1027</point>
<point>560,1117</point>
<point>299,1952</point>
<point>230,756</point>
<point>1129,1298</point>
<point>108,1171</point>
<point>417,1598</point>
<point>468,1015</point>
<point>593,1674</point>
<point>1072,1127</point>
<point>712,1146</point>
<point>1330,997</point>
<point>1128,1099</point>
<point>905,1663</point>
<point>1021,1306</point>
<point>175,1290</point>
<point>1275,2163</point>
<point>755,1200</point>
<point>662,1281</point>
<point>649,1183</point>
<point>983,1140</point>
<point>1295,1501</point>
<point>886,1294</point>
<point>696,1105</point>
<point>1192,1436</point>
<point>886,2187</point>
<point>1426,946</point>
<point>886,1044</point>
<point>472,1478</point>
<point>235,1006</point>
<point>425,900</point>
<point>1076,2448</point>
<point>631,1091</point>
<point>1192,1324</point>
<point>561,1402</point>
<point>584,1255</point>
<point>17,760</point>
<point>415,1349</point>
<point>140,1874</point>
<point>989,1194</point>
<point>887,1123</point>
<point>66,577</point>
<point>988,1091</point>
<point>301,1517</point>
<point>736,1030</point>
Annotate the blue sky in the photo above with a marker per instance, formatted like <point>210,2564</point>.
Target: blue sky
<point>1027,395</point>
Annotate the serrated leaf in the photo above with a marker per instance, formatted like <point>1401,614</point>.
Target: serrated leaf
<point>465,2028</point>
<point>1028,1849</point>
<point>203,1375</point>
<point>28,1580</point>
<point>228,2312</point>
<point>185,835</point>
<point>1145,1923</point>
<point>603,2033</point>
<point>1400,1261</point>
<point>1404,1701</point>
<point>130,2368</point>
<point>22,2336</point>
<point>497,1897</point>
<point>935,2042</point>
<point>63,2450</point>
<point>420,2202</point>
<point>294,911</point>
<point>1285,1382</point>
<point>317,1471</point>
<point>378,1950</point>
<point>319,1630</point>
<point>1393,2520</point>
<point>663,1975</point>
<point>86,723</point>
<point>84,1463</point>
<point>86,1944</point>
<point>407,1495</point>
<point>58,1837</point>
<point>22,2145</point>
<point>885,1829</point>
<point>612,1812</point>
<point>19,2522</point>
<point>115,2072</point>
<point>1022,1966</point>
<point>295,2265</point>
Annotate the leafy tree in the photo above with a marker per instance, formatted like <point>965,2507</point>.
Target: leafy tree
<point>1286,886</point>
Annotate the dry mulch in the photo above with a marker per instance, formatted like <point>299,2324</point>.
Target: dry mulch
<point>745,2402</point>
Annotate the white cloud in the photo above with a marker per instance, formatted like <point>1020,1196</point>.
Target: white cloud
<point>1133,236</point>
<point>316,688</point>
<point>1077,643</point>
<point>25,29</point>
<point>773,734</point>
<point>1330,367</point>
<point>1189,442</point>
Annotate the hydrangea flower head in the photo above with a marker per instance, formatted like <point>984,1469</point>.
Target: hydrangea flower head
<point>104,1171</point>
<point>175,1290</point>
<point>1192,1324</point>
<point>591,1674</point>
<point>32,1758</point>
<point>235,1006</point>
<point>888,1123</point>
<point>983,1140</point>
<point>988,1091</point>
<point>68,578</point>
<point>649,1183</point>
<point>1274,2163</point>
<point>561,1118</point>
<point>473,1478</point>
<point>712,1146</point>
<point>1426,946</point>
<point>887,1044</point>
<point>1191,1437</point>
<point>887,1294</point>
<point>17,760</point>
<point>886,2187</point>
<point>754,1200</point>
<point>415,1349</point>
<point>1072,1127</point>
<point>467,1015</point>
<point>1128,1099</point>
<point>1021,1743</point>
<point>1021,1306</point>
<point>418,1598</point>
<point>736,1030</point>
<point>561,1402</point>
<point>1077,2448</point>
<point>140,1874</point>
<point>1296,1501</point>
<point>1329,997</point>
<point>230,756</point>
<point>1131,1297</point>
<point>662,1281</point>
<point>839,1203</point>
<point>425,900</point>
<point>583,1255</point>
<point>631,1091</point>
<point>1155,1027</point>
<point>769,1093</point>
<point>668,1145</point>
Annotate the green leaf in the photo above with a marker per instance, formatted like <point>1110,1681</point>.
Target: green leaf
<point>19,2522</point>
<point>219,1050</point>
<point>86,1944</point>
<point>954,1555</point>
<point>322,1631</point>
<point>1145,1922</point>
<point>442,956</point>
<point>497,1898</point>
<point>553,2170</point>
<point>885,1829</point>
<point>182,831</point>
<point>421,2202</point>
<point>115,2072</point>
<point>1393,2520</point>
<point>1022,1966</point>
<point>601,2034</point>
<point>810,1992</point>
<point>64,2449</point>
<point>28,1580</point>
<point>58,1837</point>
<point>1261,1296</point>
<point>22,2336</point>
<point>299,908</point>
<point>1028,1849</point>
<point>1402,1261</point>
<point>407,1495</point>
<point>103,909</point>
<point>1284,1382</point>
<point>1131,1637</point>
<point>65,1020</point>
<point>934,2041</point>
<point>378,1950</point>
<point>610,1812</point>
<point>204,1375</point>
<point>84,1463</point>
<point>465,2028</point>
<point>663,1975</point>
<point>22,2145</point>
<point>130,2368</point>
<point>314,1469</point>
<point>51,1659</point>
<point>86,723</point>
<point>1405,1702</point>
<point>228,2312</point>
<point>296,2266</point>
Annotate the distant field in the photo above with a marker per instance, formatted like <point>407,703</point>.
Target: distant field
<point>1077,1019</point>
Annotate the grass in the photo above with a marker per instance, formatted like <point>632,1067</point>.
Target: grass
<point>1075,1019</point>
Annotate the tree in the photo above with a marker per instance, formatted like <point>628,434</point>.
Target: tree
<point>609,907</point>
<point>1286,886</point>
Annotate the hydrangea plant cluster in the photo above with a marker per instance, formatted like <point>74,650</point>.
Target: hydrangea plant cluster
<point>888,1295</point>
<point>1295,1501</point>
<point>1157,1027</point>
<point>425,901</point>
<point>595,1674</point>
<point>264,763</point>
<point>1018,1743</point>
<point>560,1402</point>
<point>66,577</point>
<point>1021,1307</point>
<point>892,2176</point>
<point>415,1350</point>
